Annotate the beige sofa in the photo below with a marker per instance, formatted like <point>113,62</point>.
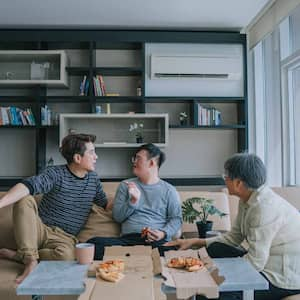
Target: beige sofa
<point>100,223</point>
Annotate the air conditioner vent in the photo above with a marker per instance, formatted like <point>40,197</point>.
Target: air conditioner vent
<point>196,66</point>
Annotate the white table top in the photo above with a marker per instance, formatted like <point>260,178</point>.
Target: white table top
<point>66,278</point>
<point>239,275</point>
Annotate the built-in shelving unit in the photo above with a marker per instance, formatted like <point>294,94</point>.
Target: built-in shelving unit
<point>113,130</point>
<point>25,67</point>
<point>61,59</point>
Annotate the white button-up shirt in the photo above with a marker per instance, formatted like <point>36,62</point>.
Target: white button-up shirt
<point>271,227</point>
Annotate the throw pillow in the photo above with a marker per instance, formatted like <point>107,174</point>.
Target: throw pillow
<point>99,223</point>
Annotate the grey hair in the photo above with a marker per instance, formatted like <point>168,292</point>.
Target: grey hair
<point>247,167</point>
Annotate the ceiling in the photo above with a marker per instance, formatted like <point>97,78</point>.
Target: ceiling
<point>227,15</point>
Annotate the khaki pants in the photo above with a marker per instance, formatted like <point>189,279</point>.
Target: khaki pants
<point>35,240</point>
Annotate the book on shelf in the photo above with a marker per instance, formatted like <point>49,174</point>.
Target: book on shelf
<point>16,116</point>
<point>84,86</point>
<point>102,85</point>
<point>208,116</point>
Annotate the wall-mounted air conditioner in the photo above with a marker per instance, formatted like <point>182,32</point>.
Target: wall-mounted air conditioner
<point>196,66</point>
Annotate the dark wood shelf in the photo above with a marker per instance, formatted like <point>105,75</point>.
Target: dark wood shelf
<point>105,71</point>
<point>117,99</point>
<point>196,99</point>
<point>17,99</point>
<point>77,71</point>
<point>115,71</point>
<point>18,126</point>
<point>69,99</point>
<point>236,126</point>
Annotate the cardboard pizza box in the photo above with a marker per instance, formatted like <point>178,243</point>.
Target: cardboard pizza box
<point>138,282</point>
<point>203,282</point>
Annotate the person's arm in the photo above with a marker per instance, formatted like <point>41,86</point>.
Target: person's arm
<point>100,199</point>
<point>184,244</point>
<point>174,215</point>
<point>263,225</point>
<point>125,204</point>
<point>234,237</point>
<point>15,194</point>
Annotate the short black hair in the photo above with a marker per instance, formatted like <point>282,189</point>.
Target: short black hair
<point>247,167</point>
<point>153,152</point>
<point>75,144</point>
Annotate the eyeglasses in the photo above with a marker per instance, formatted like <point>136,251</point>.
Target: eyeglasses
<point>138,158</point>
<point>225,177</point>
<point>135,158</point>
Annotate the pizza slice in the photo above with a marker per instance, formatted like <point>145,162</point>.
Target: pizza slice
<point>111,270</point>
<point>191,264</point>
<point>144,232</point>
<point>110,276</point>
<point>176,262</point>
<point>115,265</point>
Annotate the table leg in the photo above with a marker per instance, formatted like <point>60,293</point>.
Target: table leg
<point>248,295</point>
<point>37,297</point>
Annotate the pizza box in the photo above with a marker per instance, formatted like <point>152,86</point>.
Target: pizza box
<point>203,282</point>
<point>138,282</point>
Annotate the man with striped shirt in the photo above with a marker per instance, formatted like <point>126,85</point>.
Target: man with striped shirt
<point>48,232</point>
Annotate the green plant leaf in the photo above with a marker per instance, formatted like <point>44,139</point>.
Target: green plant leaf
<point>204,208</point>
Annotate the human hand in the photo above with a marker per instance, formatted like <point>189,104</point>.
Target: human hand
<point>184,244</point>
<point>109,205</point>
<point>155,235</point>
<point>133,192</point>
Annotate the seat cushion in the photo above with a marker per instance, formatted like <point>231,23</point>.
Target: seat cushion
<point>295,297</point>
<point>7,239</point>
<point>9,271</point>
<point>99,223</point>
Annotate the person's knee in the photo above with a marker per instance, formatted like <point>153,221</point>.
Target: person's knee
<point>25,203</point>
<point>214,250</point>
<point>64,253</point>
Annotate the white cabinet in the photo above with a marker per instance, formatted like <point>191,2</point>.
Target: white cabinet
<point>29,67</point>
<point>113,130</point>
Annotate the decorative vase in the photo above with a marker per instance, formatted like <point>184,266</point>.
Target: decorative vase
<point>183,122</point>
<point>139,139</point>
<point>203,228</point>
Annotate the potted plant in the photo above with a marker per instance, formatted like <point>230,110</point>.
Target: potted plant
<point>183,118</point>
<point>137,129</point>
<point>199,208</point>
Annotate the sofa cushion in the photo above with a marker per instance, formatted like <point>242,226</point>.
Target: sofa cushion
<point>99,223</point>
<point>9,271</point>
<point>7,239</point>
<point>220,201</point>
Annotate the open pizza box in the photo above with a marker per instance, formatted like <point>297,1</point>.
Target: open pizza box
<point>138,282</point>
<point>204,282</point>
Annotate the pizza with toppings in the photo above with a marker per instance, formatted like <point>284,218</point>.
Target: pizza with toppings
<point>191,264</point>
<point>111,270</point>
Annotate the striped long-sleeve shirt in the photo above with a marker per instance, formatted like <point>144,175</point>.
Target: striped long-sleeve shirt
<point>67,199</point>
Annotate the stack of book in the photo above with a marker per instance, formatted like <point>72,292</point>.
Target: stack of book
<point>16,116</point>
<point>208,116</point>
<point>99,87</point>
<point>48,117</point>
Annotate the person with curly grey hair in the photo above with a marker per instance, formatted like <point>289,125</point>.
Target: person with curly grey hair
<point>266,222</point>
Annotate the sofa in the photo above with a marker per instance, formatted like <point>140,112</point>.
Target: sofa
<point>100,223</point>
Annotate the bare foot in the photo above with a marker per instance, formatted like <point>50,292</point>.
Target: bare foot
<point>28,268</point>
<point>7,253</point>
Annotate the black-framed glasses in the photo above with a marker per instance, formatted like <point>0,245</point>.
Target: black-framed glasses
<point>225,177</point>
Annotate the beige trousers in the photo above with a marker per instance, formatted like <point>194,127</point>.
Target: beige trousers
<point>35,240</point>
